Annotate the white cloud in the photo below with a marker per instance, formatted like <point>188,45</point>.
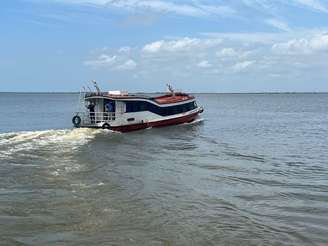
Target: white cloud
<point>293,46</point>
<point>241,66</point>
<point>204,64</point>
<point>227,52</point>
<point>273,7</point>
<point>247,38</point>
<point>179,45</point>
<point>278,24</point>
<point>320,42</point>
<point>224,57</point>
<point>112,62</point>
<point>313,4</point>
<point>316,43</point>
<point>237,53</point>
<point>194,9</point>
<point>153,47</point>
<point>102,60</point>
<point>124,49</point>
<point>128,65</point>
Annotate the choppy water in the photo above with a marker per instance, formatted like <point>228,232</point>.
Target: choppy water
<point>253,172</point>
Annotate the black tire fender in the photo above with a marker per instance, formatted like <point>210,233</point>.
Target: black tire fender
<point>76,121</point>
<point>106,126</point>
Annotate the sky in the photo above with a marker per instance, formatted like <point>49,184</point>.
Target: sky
<point>141,45</point>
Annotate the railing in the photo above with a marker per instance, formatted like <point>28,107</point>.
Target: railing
<point>92,118</point>
<point>92,94</point>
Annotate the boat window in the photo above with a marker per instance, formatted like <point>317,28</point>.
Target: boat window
<point>175,110</point>
<point>165,111</point>
<point>137,106</point>
<point>143,106</point>
<point>131,107</point>
<point>184,108</point>
<point>153,108</point>
<point>181,109</point>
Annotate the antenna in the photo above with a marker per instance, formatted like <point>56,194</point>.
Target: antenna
<point>170,88</point>
<point>96,86</point>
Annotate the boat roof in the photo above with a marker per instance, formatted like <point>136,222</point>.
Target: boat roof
<point>162,99</point>
<point>166,99</point>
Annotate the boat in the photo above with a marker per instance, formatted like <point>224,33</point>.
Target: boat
<point>124,112</point>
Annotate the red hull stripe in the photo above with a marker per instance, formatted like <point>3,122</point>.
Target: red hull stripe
<point>175,121</point>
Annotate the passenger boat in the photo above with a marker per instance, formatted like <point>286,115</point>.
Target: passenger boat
<point>123,112</point>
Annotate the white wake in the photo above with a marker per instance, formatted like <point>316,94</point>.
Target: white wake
<point>66,139</point>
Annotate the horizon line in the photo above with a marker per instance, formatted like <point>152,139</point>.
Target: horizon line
<point>161,92</point>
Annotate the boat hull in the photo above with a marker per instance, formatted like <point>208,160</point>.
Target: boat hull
<point>161,123</point>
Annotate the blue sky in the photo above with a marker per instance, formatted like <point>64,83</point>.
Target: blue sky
<point>140,45</point>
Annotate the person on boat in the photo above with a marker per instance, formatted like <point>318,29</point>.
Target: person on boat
<point>107,111</point>
<point>109,107</point>
<point>91,108</point>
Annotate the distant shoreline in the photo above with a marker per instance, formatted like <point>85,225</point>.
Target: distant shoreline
<point>12,92</point>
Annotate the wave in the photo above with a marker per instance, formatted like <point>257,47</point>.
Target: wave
<point>13,143</point>
<point>197,121</point>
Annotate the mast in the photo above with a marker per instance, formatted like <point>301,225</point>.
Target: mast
<point>96,86</point>
<point>171,90</point>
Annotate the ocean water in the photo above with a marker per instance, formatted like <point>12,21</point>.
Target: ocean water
<point>252,171</point>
